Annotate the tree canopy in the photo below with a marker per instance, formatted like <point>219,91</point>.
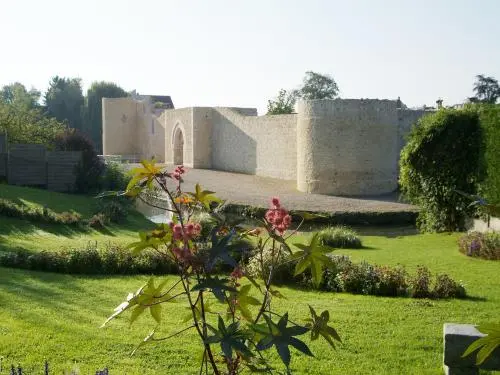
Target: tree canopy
<point>17,95</point>
<point>28,125</point>
<point>317,86</point>
<point>64,100</point>
<point>93,108</point>
<point>486,89</point>
<point>283,104</point>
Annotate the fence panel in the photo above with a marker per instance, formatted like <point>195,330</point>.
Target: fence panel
<point>27,165</point>
<point>61,170</point>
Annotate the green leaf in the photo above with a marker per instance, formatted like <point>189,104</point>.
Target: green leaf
<point>281,337</point>
<point>230,338</point>
<point>486,344</point>
<point>205,197</point>
<point>319,326</point>
<point>314,257</point>
<point>244,301</point>
<point>216,285</point>
<point>147,296</point>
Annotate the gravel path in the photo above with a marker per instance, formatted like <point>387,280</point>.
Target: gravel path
<point>256,191</point>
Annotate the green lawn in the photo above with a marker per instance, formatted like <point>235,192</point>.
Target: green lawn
<point>57,317</point>
<point>21,234</point>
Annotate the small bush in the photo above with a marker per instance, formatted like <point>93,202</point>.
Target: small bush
<point>282,275</point>
<point>420,284</point>
<point>482,245</point>
<point>38,214</point>
<point>98,221</point>
<point>90,169</point>
<point>445,287</point>
<point>361,278</point>
<point>393,281</point>
<point>365,278</point>
<point>114,209</point>
<point>114,178</point>
<point>340,237</point>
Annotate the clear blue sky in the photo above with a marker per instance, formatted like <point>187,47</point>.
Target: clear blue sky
<point>240,53</point>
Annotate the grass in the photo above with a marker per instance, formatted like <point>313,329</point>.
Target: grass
<point>18,234</point>
<point>57,317</point>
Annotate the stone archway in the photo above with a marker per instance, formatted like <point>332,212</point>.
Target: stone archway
<point>178,147</point>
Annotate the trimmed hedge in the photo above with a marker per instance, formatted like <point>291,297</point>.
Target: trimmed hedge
<point>334,218</point>
<point>38,214</point>
<point>489,115</point>
<point>368,279</point>
<point>90,261</point>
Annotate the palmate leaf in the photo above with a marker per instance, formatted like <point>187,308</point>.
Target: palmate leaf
<point>216,285</point>
<point>147,297</point>
<point>205,197</point>
<point>319,326</point>
<point>142,177</point>
<point>230,338</point>
<point>152,239</point>
<point>314,257</point>
<point>487,344</point>
<point>221,249</point>
<point>281,337</point>
<point>245,301</point>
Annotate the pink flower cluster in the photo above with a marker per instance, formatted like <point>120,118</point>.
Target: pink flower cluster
<point>278,217</point>
<point>183,254</point>
<point>178,172</point>
<point>237,273</point>
<point>191,230</point>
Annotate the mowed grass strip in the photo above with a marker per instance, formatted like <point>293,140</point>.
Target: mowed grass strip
<point>19,234</point>
<point>57,317</point>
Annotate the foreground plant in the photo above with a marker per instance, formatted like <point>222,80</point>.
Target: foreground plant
<point>231,312</point>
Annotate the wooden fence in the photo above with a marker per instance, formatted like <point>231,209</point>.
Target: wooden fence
<point>34,165</point>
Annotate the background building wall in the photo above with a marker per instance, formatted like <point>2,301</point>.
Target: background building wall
<point>183,119</point>
<point>119,131</point>
<point>341,146</point>
<point>202,141</point>
<point>347,146</point>
<point>261,145</point>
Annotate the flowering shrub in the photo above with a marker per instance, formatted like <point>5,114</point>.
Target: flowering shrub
<point>238,335</point>
<point>482,245</point>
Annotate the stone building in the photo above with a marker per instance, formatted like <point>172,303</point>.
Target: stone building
<point>340,146</point>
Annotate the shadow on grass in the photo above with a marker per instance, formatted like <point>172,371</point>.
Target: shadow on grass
<point>62,294</point>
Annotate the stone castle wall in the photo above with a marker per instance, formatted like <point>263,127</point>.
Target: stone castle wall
<point>347,147</point>
<point>341,146</point>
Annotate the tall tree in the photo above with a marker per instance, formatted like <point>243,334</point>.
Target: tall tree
<point>93,108</point>
<point>16,95</point>
<point>317,86</point>
<point>487,89</point>
<point>282,105</point>
<point>28,125</point>
<point>64,100</point>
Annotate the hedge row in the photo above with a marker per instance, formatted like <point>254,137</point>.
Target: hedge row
<point>90,261</point>
<point>450,157</point>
